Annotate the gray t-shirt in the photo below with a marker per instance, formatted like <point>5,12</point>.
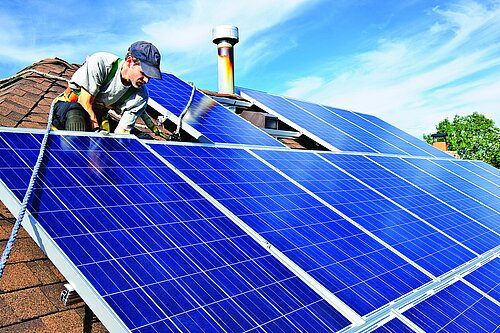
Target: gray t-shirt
<point>91,77</point>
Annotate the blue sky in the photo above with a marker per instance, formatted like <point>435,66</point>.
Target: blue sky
<point>411,63</point>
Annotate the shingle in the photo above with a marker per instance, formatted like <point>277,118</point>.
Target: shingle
<point>7,315</point>
<point>31,285</point>
<point>67,321</point>
<point>18,276</point>
<point>22,102</point>
<point>24,250</point>
<point>29,303</point>
<point>30,326</point>
<point>7,107</point>
<point>45,271</point>
<point>27,124</point>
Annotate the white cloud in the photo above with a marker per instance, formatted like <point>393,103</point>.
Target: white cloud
<point>180,29</point>
<point>304,86</point>
<point>184,34</point>
<point>417,81</point>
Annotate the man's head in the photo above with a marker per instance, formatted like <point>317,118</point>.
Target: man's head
<point>148,56</point>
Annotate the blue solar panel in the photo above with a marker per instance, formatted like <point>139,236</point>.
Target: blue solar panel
<point>423,244</point>
<point>487,278</point>
<point>403,135</point>
<point>354,266</point>
<point>457,308</point>
<point>418,191</point>
<point>426,183</point>
<point>411,146</point>
<point>481,179</point>
<point>487,167</point>
<point>342,129</point>
<point>338,139</point>
<point>332,118</point>
<point>393,326</point>
<point>151,248</point>
<point>162,257</point>
<point>218,124</point>
<point>474,190</point>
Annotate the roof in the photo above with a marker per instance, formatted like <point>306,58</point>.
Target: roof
<point>31,285</point>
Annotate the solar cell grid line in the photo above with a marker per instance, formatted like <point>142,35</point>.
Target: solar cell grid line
<point>360,133</point>
<point>487,279</point>
<point>403,135</point>
<point>193,270</point>
<point>413,237</point>
<point>322,132</point>
<point>409,147</point>
<point>476,169</point>
<point>349,263</point>
<point>485,166</point>
<point>218,124</point>
<point>475,237</point>
<point>459,184</point>
<point>395,325</point>
<point>479,180</point>
<point>457,308</point>
<point>425,182</point>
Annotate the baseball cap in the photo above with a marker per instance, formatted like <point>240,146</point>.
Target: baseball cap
<point>149,56</point>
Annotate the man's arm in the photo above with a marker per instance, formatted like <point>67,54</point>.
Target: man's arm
<point>85,100</point>
<point>151,125</point>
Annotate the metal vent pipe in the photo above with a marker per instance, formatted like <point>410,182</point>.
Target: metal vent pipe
<point>225,36</point>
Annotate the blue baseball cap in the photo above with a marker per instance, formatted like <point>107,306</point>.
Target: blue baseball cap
<point>149,56</point>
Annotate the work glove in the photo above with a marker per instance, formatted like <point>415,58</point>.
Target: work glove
<point>163,135</point>
<point>151,125</point>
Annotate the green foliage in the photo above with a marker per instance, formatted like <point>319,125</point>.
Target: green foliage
<point>473,137</point>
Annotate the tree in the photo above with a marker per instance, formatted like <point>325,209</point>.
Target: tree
<point>473,137</point>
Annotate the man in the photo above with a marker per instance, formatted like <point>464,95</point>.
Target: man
<point>106,82</point>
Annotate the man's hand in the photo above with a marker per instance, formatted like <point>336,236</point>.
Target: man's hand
<point>164,135</point>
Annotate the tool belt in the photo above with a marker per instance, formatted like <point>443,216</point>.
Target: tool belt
<point>70,95</point>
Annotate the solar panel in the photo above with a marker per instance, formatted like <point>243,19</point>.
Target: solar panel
<point>395,325</point>
<point>407,143</point>
<point>187,237</point>
<point>457,308</point>
<point>342,129</point>
<point>485,180</point>
<point>334,119</point>
<point>317,128</point>
<point>352,265</point>
<point>402,134</point>
<point>460,196</point>
<point>218,125</point>
<point>145,250</point>
<point>486,278</point>
<point>485,166</point>
<point>411,235</point>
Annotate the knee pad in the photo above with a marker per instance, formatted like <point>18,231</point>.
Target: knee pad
<point>77,119</point>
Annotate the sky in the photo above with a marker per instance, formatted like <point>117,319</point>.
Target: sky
<point>411,63</point>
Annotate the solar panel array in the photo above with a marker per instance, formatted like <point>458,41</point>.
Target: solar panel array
<point>388,234</point>
<point>149,247</point>
<point>340,129</point>
<point>184,237</point>
<point>213,121</point>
